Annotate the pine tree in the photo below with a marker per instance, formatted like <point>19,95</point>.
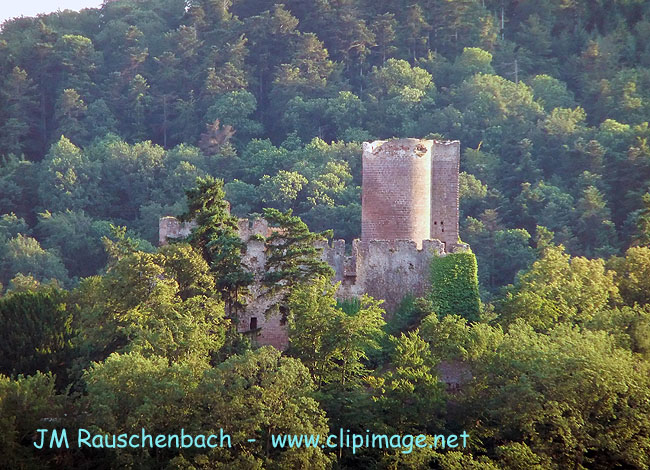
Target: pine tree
<point>18,110</point>
<point>643,222</point>
<point>217,239</point>
<point>39,332</point>
<point>293,255</point>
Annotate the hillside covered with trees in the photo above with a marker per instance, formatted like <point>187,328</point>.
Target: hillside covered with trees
<point>111,118</point>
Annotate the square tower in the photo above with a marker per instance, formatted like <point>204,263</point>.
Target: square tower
<point>445,161</point>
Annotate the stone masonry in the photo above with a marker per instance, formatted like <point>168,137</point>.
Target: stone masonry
<point>444,192</point>
<point>410,190</point>
<point>409,215</point>
<point>396,190</point>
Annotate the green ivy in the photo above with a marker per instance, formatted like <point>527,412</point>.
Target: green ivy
<point>454,285</point>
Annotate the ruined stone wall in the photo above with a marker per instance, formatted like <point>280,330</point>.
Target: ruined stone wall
<point>384,269</point>
<point>389,269</point>
<point>267,329</point>
<point>264,328</point>
<point>444,192</point>
<point>171,227</point>
<point>396,190</point>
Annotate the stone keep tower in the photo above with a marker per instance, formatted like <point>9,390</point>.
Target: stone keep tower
<point>445,163</point>
<point>396,190</point>
<point>410,191</point>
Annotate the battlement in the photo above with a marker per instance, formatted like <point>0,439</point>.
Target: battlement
<point>446,149</point>
<point>385,269</point>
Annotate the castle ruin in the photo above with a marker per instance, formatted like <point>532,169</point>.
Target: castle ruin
<point>409,214</point>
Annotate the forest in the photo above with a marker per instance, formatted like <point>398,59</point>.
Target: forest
<point>111,118</point>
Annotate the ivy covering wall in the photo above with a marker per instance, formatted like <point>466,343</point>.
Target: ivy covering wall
<point>454,285</point>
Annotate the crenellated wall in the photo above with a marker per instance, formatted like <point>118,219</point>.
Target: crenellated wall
<point>384,269</point>
<point>389,270</point>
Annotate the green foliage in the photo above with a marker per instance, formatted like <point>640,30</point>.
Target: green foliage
<point>38,332</point>
<point>518,456</point>
<point>333,342</point>
<point>74,232</point>
<point>409,313</point>
<point>243,197</point>
<point>25,402</point>
<point>426,458</point>
<point>549,206</point>
<point>325,118</point>
<point>397,93</point>
<point>100,116</point>
<point>409,397</point>
<point>18,185</point>
<point>349,306</point>
<point>598,232</point>
<point>490,104</point>
<point>261,393</point>
<point>559,288</point>
<point>572,384</point>
<point>282,189</point>
<point>293,254</point>
<point>551,92</point>
<point>643,222</point>
<point>25,255</point>
<point>11,226</point>
<point>454,285</point>
<point>500,253</point>
<point>63,177</point>
<point>473,60</point>
<point>234,109</point>
<point>312,320</point>
<point>216,237</point>
<point>453,339</point>
<point>633,275</point>
<point>628,326</point>
<point>18,94</point>
<point>127,392</point>
<point>153,303</point>
<point>471,188</point>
